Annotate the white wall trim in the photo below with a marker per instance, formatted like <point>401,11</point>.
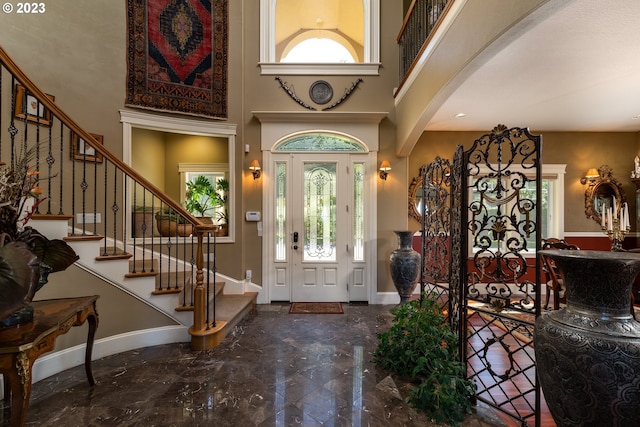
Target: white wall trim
<point>269,64</point>
<point>190,126</point>
<point>386,298</point>
<point>362,126</point>
<point>290,69</point>
<point>54,363</point>
<point>164,123</point>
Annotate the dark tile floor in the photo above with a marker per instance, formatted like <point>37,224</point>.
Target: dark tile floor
<point>275,369</point>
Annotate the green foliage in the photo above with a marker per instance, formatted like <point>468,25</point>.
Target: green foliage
<point>222,191</point>
<point>202,198</point>
<point>422,346</point>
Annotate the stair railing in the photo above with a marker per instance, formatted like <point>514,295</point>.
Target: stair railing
<point>86,183</point>
<point>421,21</point>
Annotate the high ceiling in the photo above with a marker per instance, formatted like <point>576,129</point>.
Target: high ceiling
<point>575,70</point>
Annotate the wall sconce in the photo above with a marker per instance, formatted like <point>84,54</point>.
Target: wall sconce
<point>590,177</point>
<point>255,169</point>
<point>385,167</point>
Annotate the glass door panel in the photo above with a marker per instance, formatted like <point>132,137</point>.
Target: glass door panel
<point>319,212</point>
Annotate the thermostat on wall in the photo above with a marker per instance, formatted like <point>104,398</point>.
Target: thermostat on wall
<point>252,216</point>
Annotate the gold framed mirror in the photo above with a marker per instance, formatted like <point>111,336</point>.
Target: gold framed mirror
<point>416,198</point>
<point>603,192</point>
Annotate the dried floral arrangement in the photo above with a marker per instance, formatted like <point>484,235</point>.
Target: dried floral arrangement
<point>26,256</point>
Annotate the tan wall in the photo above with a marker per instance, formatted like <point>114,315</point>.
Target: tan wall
<point>148,154</point>
<point>190,149</point>
<point>157,156</point>
<point>77,54</point>
<point>459,52</point>
<point>83,63</point>
<point>578,150</point>
<point>118,311</point>
<point>263,93</point>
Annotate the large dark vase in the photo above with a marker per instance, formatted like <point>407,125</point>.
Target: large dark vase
<point>405,266</point>
<point>588,353</point>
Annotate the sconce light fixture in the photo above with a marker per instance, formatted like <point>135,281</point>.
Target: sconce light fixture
<point>255,169</point>
<point>590,177</point>
<point>385,167</point>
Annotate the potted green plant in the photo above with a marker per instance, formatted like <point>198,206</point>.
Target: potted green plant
<point>202,198</point>
<point>171,223</point>
<point>422,347</point>
<point>222,194</point>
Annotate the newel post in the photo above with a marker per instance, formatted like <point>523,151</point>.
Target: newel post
<point>204,334</point>
<point>199,293</point>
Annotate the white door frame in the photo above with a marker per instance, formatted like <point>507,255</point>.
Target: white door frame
<point>276,126</point>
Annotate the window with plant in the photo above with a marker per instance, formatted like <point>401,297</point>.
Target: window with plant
<point>201,197</point>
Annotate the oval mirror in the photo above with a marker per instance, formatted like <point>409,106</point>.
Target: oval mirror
<point>603,192</point>
<point>416,198</point>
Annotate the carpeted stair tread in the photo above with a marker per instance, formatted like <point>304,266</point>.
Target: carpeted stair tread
<point>233,308</point>
<point>143,265</point>
<point>173,279</point>
<point>219,286</point>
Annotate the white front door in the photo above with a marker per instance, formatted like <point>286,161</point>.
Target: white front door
<point>320,228</point>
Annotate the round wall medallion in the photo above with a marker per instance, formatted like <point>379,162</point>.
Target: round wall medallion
<point>320,92</point>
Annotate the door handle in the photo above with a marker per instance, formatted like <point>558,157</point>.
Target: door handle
<point>295,240</point>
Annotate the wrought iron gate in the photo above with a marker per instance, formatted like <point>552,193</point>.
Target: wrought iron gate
<point>432,199</point>
<point>488,230</point>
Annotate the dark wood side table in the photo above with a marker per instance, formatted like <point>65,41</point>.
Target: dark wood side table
<point>21,346</point>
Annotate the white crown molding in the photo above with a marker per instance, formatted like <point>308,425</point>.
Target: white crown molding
<point>374,117</point>
<point>291,69</point>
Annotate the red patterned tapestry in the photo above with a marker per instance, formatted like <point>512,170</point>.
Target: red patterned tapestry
<point>177,56</point>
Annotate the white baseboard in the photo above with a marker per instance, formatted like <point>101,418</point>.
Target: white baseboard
<point>54,363</point>
<point>388,298</point>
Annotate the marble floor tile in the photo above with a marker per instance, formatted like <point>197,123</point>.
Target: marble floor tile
<point>274,369</point>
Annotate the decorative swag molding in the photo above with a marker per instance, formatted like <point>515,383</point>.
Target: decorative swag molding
<point>177,56</point>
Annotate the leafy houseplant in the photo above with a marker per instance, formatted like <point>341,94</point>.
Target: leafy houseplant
<point>222,193</point>
<point>202,198</point>
<point>26,256</point>
<point>422,346</point>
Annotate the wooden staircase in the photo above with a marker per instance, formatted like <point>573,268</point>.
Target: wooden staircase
<point>163,290</point>
<point>91,202</point>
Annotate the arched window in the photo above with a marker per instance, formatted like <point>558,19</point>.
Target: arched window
<point>318,50</point>
<point>290,26</point>
<point>320,142</point>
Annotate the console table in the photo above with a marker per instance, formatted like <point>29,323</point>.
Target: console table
<point>21,345</point>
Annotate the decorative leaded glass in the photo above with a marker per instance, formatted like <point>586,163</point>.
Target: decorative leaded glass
<point>281,211</point>
<point>320,194</point>
<point>358,212</point>
<point>320,142</point>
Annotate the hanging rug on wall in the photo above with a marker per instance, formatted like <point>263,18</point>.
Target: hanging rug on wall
<point>177,56</point>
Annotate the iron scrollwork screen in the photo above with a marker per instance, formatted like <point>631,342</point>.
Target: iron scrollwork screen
<point>500,215</point>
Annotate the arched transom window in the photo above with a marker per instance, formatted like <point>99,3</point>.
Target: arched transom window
<point>320,141</point>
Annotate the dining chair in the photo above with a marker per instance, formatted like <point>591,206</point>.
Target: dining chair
<point>553,276</point>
